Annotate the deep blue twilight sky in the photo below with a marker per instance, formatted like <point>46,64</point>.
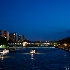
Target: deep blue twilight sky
<point>36,19</point>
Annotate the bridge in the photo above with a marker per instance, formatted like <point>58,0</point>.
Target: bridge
<point>34,44</point>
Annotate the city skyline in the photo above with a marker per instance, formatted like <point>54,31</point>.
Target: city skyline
<point>36,19</point>
<point>12,36</point>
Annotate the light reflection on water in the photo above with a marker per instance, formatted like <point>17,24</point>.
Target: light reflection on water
<point>3,57</point>
<point>35,53</point>
<point>67,68</point>
<point>43,59</point>
<point>32,55</point>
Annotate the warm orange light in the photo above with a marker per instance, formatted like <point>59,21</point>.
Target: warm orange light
<point>25,43</point>
<point>65,44</point>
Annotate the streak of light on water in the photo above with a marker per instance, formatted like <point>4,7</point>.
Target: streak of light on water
<point>35,53</point>
<point>3,57</point>
<point>40,47</point>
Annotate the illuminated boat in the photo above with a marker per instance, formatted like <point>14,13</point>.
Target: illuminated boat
<point>32,51</point>
<point>4,51</point>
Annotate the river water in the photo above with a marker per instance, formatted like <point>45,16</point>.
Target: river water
<point>44,59</point>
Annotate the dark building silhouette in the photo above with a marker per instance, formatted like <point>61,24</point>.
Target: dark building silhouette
<point>13,36</point>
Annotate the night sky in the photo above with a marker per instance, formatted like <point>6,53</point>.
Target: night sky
<point>36,19</point>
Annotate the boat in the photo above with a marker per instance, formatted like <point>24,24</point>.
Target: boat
<point>3,51</point>
<point>32,51</point>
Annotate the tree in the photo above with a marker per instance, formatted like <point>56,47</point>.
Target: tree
<point>3,41</point>
<point>10,41</point>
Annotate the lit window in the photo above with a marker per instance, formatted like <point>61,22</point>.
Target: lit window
<point>5,37</point>
<point>14,33</point>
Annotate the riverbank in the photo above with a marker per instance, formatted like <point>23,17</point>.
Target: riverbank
<point>66,48</point>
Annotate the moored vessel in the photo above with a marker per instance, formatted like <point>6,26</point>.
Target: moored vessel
<point>32,51</point>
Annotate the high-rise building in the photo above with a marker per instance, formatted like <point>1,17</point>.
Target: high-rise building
<point>13,36</point>
<point>1,33</point>
<point>4,34</point>
<point>21,38</point>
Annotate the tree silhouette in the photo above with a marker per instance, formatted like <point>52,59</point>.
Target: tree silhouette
<point>3,41</point>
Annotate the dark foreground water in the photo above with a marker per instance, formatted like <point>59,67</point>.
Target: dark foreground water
<point>44,59</point>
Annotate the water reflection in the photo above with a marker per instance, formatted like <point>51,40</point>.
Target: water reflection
<point>67,68</point>
<point>1,57</point>
<point>43,59</point>
<point>32,56</point>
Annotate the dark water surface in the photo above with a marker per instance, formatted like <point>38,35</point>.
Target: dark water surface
<point>44,59</point>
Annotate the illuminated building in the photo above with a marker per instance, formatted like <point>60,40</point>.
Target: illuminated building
<point>21,38</point>
<point>4,34</point>
<point>13,36</point>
